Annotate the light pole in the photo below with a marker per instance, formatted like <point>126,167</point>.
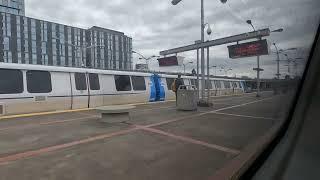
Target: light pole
<point>289,60</point>
<point>184,66</point>
<point>143,57</point>
<point>296,65</point>
<point>202,28</point>
<point>225,69</point>
<point>228,71</point>
<point>148,59</point>
<point>215,70</point>
<point>81,48</point>
<point>258,63</point>
<point>278,61</point>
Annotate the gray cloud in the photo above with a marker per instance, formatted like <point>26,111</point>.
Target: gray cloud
<point>157,25</point>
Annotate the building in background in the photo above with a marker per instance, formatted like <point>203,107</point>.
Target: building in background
<point>31,41</point>
<point>13,7</point>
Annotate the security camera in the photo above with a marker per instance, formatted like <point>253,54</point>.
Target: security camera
<point>223,1</point>
<point>175,2</point>
<point>209,31</point>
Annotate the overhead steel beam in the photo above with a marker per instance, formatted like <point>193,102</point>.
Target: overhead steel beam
<point>236,38</point>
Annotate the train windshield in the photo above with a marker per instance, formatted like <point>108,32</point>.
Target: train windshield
<point>171,89</point>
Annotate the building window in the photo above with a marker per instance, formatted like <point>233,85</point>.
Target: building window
<point>80,80</point>
<point>234,85</point>
<point>94,82</point>
<point>122,83</point>
<point>11,81</point>
<point>138,83</point>
<point>169,83</point>
<point>39,82</point>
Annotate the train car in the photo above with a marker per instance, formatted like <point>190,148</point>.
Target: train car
<point>36,88</point>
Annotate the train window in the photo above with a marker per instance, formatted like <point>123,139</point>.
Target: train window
<point>208,84</point>
<point>138,83</point>
<point>122,83</point>
<point>94,81</point>
<point>217,84</point>
<point>169,83</point>
<point>80,80</point>
<point>39,82</point>
<point>240,84</point>
<point>234,85</point>
<point>226,84</point>
<point>11,81</point>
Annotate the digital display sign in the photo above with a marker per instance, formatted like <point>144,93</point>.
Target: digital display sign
<point>255,48</point>
<point>168,61</point>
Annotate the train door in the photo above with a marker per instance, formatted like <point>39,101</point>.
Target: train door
<point>80,90</point>
<point>95,92</point>
<point>157,92</point>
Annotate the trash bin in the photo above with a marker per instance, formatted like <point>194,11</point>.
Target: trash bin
<point>187,98</point>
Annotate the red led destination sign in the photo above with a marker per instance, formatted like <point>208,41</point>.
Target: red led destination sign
<point>255,48</point>
<point>168,61</point>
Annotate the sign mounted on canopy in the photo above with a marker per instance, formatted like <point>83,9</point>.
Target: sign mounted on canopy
<point>254,48</point>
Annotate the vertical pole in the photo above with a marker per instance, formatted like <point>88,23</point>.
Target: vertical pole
<point>278,66</point>
<point>208,74</point>
<point>202,54</point>
<point>198,74</point>
<point>278,62</point>
<point>184,69</point>
<point>288,67</point>
<point>258,76</point>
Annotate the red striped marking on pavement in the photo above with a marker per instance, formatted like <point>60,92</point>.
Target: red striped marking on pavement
<point>192,141</point>
<point>31,125</point>
<point>14,157</point>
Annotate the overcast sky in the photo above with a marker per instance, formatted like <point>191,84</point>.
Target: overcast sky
<point>156,25</point>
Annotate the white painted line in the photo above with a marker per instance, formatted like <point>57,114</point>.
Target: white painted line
<point>192,141</point>
<point>156,108</point>
<point>239,115</point>
<point>244,104</point>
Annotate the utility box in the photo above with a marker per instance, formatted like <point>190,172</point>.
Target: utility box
<point>187,98</point>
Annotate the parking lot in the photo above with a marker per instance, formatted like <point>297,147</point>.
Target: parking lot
<point>158,142</point>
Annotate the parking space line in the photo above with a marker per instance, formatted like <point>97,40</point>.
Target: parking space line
<point>246,116</point>
<point>190,140</point>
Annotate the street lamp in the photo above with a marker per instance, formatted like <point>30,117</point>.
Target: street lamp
<point>81,48</point>
<point>250,23</point>
<point>184,66</point>
<point>296,65</point>
<point>278,61</point>
<point>144,58</point>
<point>202,27</point>
<point>258,63</point>
<point>215,70</point>
<point>289,60</point>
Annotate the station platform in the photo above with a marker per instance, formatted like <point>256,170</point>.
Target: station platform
<point>158,142</point>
